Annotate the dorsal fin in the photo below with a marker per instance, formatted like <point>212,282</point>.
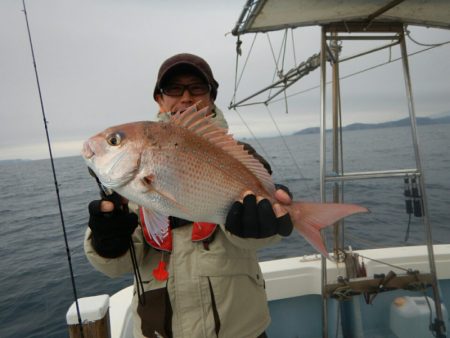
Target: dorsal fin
<point>204,126</point>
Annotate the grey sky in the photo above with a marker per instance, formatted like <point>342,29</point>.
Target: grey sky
<point>97,62</point>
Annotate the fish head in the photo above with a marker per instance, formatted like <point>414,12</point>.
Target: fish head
<point>115,154</point>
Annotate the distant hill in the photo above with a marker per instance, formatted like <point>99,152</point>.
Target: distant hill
<point>391,124</point>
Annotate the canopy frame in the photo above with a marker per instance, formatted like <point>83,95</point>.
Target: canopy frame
<point>256,14</point>
<point>333,33</point>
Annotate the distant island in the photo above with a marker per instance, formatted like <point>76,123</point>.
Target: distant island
<point>391,124</point>
<point>16,160</point>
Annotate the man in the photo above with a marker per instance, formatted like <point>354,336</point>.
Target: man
<point>204,279</point>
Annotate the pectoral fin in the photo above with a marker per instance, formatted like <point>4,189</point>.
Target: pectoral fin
<point>156,224</point>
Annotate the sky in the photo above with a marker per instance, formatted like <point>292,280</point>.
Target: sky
<point>97,62</point>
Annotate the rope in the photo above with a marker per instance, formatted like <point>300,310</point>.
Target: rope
<point>69,258</point>
<point>388,264</point>
<point>408,34</point>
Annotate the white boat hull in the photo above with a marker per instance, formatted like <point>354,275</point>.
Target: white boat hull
<point>294,289</point>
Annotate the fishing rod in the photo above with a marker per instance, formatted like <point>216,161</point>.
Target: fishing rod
<point>69,258</point>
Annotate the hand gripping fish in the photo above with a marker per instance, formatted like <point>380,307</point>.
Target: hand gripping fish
<point>190,168</point>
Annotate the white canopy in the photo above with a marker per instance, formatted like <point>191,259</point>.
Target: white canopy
<point>269,15</point>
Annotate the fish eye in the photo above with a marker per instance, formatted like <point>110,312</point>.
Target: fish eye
<point>114,139</point>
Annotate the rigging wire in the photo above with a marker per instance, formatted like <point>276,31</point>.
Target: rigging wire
<point>266,155</point>
<point>293,48</point>
<point>236,67</point>
<point>282,69</point>
<point>290,153</point>
<point>275,60</point>
<point>284,50</point>
<point>279,66</point>
<point>363,71</point>
<point>279,72</point>
<point>431,46</point>
<point>390,60</point>
<point>236,84</point>
<point>69,258</point>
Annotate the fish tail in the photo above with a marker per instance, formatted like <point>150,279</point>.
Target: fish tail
<point>310,218</point>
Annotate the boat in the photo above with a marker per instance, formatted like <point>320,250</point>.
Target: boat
<point>384,292</point>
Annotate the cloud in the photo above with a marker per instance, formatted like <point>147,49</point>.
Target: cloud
<point>98,59</point>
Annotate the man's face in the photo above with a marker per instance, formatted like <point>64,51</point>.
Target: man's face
<point>170,100</point>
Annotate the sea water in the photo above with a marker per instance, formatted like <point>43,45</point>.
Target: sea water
<point>35,284</point>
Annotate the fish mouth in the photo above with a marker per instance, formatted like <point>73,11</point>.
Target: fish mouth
<point>107,171</point>
<point>87,152</point>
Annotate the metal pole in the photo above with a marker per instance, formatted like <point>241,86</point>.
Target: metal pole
<point>322,170</point>
<point>323,83</point>
<point>438,327</point>
<point>336,154</point>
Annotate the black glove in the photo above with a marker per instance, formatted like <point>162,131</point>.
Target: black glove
<point>257,220</point>
<point>111,231</point>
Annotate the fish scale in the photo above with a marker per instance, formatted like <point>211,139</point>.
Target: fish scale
<point>200,173</point>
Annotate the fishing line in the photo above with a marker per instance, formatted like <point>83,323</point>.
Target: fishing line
<point>109,195</point>
<point>137,274</point>
<point>69,258</point>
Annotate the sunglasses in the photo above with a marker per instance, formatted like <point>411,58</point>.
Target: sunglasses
<point>178,89</point>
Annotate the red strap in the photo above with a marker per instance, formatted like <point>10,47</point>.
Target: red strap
<point>202,231</point>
